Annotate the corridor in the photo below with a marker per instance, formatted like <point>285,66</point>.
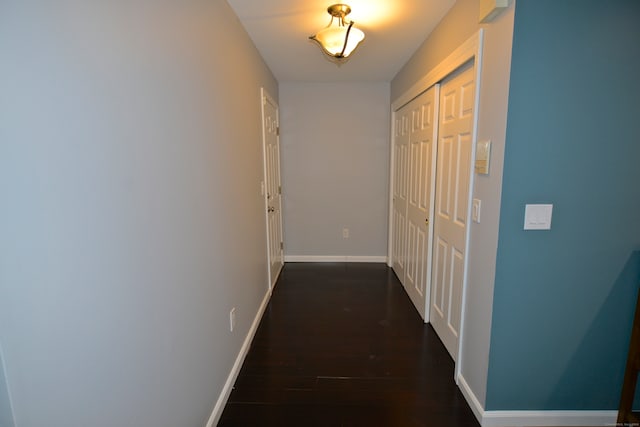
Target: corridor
<point>341,345</point>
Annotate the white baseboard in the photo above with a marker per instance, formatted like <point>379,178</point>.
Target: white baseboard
<point>549,418</point>
<point>334,258</point>
<point>534,418</point>
<point>471,398</point>
<point>231,379</point>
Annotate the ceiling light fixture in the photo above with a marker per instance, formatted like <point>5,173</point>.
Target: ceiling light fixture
<point>340,38</point>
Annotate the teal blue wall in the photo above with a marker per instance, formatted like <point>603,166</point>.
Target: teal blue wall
<point>564,298</point>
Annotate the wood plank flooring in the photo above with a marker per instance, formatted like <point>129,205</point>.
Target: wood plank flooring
<point>341,345</point>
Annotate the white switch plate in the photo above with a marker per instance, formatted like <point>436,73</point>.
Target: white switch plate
<point>537,217</point>
<point>475,211</point>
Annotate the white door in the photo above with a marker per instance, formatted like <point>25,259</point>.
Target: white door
<point>423,114</point>
<point>273,190</point>
<point>455,140</point>
<point>400,189</point>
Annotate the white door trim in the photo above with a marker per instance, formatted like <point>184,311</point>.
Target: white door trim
<point>392,171</point>
<point>471,49</point>
<point>474,140</point>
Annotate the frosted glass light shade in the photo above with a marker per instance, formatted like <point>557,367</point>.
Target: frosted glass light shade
<point>338,41</point>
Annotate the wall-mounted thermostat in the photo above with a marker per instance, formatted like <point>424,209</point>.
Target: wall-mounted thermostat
<point>483,154</point>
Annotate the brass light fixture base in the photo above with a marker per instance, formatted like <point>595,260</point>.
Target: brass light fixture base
<point>339,10</point>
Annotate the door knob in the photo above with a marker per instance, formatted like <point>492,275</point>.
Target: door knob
<point>426,221</point>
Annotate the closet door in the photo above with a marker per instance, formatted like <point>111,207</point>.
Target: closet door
<point>400,189</point>
<point>422,153</point>
<point>455,142</point>
<point>414,153</point>
<point>275,249</point>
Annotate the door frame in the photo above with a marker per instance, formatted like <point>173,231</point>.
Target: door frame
<point>264,98</point>
<point>470,50</point>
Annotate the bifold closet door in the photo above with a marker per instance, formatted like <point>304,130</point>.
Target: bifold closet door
<point>415,153</point>
<point>421,168</point>
<point>455,144</point>
<point>400,189</point>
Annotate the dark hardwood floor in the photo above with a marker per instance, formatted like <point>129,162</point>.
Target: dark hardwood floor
<point>341,345</point>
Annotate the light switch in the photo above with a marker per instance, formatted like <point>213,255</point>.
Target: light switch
<point>537,217</point>
<point>475,211</point>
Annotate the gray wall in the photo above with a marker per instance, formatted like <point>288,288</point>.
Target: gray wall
<point>131,220</point>
<point>457,26</point>
<point>335,169</point>
<point>6,413</point>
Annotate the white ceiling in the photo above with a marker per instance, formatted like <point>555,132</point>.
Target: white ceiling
<point>394,29</point>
